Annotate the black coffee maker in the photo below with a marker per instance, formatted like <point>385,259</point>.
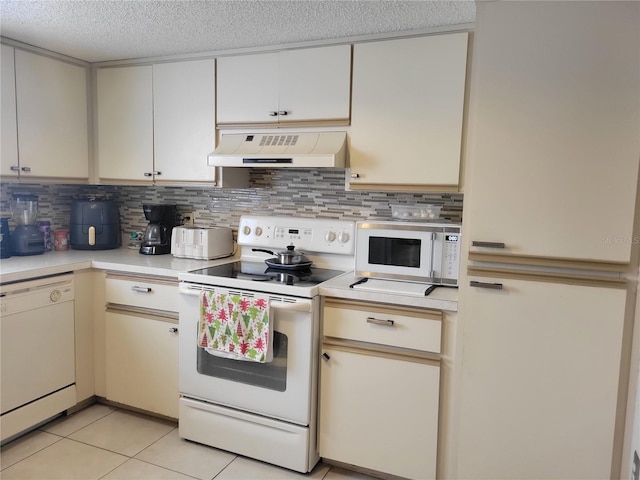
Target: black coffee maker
<point>156,239</point>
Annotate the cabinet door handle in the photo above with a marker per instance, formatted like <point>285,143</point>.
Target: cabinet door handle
<point>283,113</point>
<point>15,168</point>
<point>493,286</point>
<point>136,288</point>
<point>273,114</point>
<point>476,243</point>
<point>326,357</point>
<point>148,174</point>
<point>26,169</point>
<point>157,173</point>
<point>173,330</point>
<point>384,323</point>
<point>355,175</point>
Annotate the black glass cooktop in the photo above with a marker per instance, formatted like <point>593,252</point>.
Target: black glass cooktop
<point>261,272</point>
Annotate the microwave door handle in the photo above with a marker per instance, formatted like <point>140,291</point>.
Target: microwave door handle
<point>432,272</point>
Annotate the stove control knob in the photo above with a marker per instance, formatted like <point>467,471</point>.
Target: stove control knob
<point>246,230</point>
<point>258,231</point>
<point>330,236</point>
<point>344,237</point>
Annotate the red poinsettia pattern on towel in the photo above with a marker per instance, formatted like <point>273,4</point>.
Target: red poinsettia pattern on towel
<point>235,324</point>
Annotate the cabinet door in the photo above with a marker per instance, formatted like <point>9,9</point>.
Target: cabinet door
<point>379,413</point>
<point>184,120</point>
<point>539,380</point>
<point>407,111</point>
<point>51,98</point>
<point>142,363</point>
<point>248,89</point>
<point>315,84</point>
<point>554,121</point>
<point>9,133</point>
<point>125,123</point>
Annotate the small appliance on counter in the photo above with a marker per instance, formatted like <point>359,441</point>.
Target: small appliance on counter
<point>26,239</point>
<point>156,239</point>
<point>202,243</point>
<point>5,238</point>
<point>94,224</point>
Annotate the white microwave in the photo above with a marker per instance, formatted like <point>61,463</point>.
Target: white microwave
<point>415,252</point>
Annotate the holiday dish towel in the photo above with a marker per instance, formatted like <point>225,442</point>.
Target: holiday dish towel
<point>235,326</point>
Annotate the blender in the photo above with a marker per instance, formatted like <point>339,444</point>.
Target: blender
<point>26,239</point>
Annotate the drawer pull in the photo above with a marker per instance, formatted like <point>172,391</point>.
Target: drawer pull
<point>326,357</point>
<point>136,288</point>
<point>476,243</point>
<point>384,323</point>
<point>494,286</point>
<point>173,330</point>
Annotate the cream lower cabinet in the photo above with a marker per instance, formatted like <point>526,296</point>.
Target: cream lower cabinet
<point>407,112</point>
<point>141,343</point>
<point>540,379</point>
<point>379,402</point>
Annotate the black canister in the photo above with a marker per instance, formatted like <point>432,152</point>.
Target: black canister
<point>5,238</point>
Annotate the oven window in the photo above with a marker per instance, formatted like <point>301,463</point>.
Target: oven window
<point>271,375</point>
<point>398,252</point>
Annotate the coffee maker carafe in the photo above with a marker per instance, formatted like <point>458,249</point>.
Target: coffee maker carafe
<point>26,239</point>
<point>156,239</point>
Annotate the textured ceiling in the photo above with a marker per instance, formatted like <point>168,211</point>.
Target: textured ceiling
<point>97,30</point>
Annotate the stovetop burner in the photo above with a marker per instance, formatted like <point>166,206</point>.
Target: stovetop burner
<point>260,272</point>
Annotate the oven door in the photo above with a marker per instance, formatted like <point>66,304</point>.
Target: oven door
<point>281,388</point>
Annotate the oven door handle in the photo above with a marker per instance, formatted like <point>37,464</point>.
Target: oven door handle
<point>276,302</point>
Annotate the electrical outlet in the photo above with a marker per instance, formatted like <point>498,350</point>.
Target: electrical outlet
<point>188,218</point>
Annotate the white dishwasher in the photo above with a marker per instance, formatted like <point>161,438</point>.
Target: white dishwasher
<point>37,352</point>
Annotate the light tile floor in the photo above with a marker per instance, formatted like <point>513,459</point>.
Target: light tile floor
<point>101,442</point>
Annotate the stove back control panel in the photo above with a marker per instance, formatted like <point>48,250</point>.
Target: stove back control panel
<point>306,234</point>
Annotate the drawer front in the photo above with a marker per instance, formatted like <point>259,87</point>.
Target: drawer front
<point>404,328</point>
<point>142,293</point>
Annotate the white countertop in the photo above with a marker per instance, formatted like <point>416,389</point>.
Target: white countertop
<point>442,298</point>
<point>121,259</point>
<point>130,261</point>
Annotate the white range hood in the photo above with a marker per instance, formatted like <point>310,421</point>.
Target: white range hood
<point>281,150</point>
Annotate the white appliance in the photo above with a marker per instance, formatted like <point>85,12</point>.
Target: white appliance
<point>267,410</point>
<point>37,352</point>
<point>294,150</point>
<point>410,251</point>
<point>202,243</point>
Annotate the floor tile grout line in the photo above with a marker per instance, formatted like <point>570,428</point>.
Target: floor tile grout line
<point>63,419</point>
<point>60,437</point>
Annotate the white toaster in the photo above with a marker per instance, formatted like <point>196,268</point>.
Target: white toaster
<point>201,243</point>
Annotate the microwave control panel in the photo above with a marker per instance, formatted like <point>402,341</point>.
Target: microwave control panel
<point>451,256</point>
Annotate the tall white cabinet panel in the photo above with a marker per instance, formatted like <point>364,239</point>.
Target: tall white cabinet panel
<point>9,134</point>
<point>407,112</point>
<point>51,101</point>
<point>553,129</point>
<point>539,380</point>
<point>310,85</point>
<point>125,123</point>
<point>184,120</point>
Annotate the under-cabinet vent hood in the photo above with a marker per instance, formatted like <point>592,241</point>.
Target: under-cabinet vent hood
<point>293,150</point>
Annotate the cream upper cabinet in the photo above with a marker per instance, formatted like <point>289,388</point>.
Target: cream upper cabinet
<point>407,113</point>
<point>305,86</point>
<point>157,123</point>
<point>45,117</point>
<point>553,131</point>
<point>184,120</point>
<point>125,123</point>
<point>540,380</point>
<point>9,136</point>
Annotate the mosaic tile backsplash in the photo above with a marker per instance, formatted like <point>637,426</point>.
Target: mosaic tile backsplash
<point>291,192</point>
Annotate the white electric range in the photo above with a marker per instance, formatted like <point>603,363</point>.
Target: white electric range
<point>265,410</point>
